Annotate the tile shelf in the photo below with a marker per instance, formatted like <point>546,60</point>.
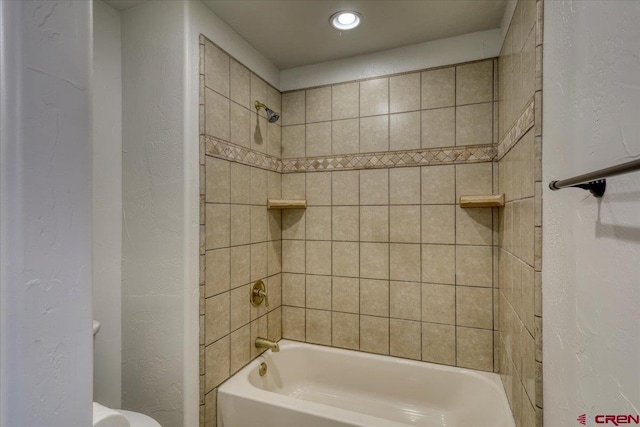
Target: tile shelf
<point>286,204</point>
<point>484,201</point>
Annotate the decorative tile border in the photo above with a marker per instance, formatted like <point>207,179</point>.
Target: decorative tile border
<point>519,128</point>
<point>237,153</point>
<point>392,159</point>
<point>388,159</point>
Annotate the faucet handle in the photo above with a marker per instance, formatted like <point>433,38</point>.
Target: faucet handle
<point>262,293</point>
<point>258,294</point>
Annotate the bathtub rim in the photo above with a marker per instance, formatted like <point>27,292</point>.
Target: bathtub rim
<point>239,384</point>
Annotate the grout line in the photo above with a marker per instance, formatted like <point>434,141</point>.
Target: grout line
<point>389,260</point>
<point>229,219</point>
<point>455,220</point>
<point>331,248</point>
<point>331,126</point>
<point>421,255</point>
<point>388,117</point>
<point>359,263</point>
<point>306,254</point>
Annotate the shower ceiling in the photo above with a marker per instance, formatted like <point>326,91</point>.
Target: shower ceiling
<point>295,33</point>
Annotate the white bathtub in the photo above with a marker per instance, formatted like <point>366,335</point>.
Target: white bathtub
<point>313,386</point>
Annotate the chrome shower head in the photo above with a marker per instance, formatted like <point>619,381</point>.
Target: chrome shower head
<point>272,116</point>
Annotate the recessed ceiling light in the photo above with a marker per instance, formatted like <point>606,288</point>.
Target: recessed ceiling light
<point>345,19</point>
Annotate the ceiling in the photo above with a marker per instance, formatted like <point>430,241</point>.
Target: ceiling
<point>295,33</point>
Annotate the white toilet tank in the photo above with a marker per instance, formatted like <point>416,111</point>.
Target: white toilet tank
<point>106,417</point>
<point>137,419</point>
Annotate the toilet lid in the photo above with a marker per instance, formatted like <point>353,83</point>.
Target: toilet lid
<point>139,420</point>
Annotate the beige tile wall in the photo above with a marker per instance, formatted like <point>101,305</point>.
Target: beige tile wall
<point>240,240</point>
<point>519,346</point>
<point>442,107</point>
<point>517,66</point>
<point>384,260</point>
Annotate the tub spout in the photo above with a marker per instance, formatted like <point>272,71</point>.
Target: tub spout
<point>265,343</point>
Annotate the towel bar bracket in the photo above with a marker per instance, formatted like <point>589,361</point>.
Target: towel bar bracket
<point>597,187</point>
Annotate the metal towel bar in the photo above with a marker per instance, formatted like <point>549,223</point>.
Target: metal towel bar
<point>594,181</point>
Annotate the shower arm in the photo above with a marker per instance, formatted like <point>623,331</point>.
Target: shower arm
<point>272,116</point>
<point>259,105</point>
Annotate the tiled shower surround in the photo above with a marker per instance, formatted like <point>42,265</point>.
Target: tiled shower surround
<point>383,260</point>
<point>240,241</point>
<point>519,347</point>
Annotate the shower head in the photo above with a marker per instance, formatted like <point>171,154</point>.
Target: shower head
<point>272,116</point>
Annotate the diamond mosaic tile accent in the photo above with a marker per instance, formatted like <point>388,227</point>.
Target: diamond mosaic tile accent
<point>520,127</point>
<point>236,153</point>
<point>391,159</point>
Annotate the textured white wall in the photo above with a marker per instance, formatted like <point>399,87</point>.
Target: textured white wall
<point>45,211</point>
<point>591,273</point>
<point>107,203</point>
<point>160,295</point>
<point>453,50</point>
<point>153,203</point>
